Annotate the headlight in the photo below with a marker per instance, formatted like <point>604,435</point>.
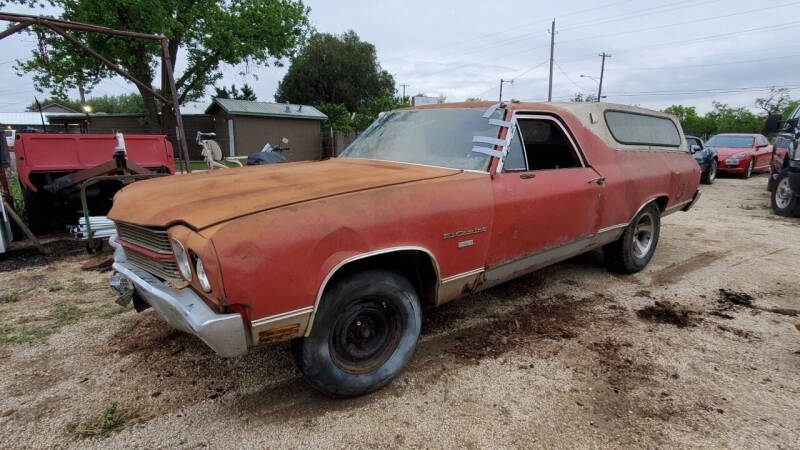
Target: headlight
<point>182,258</point>
<point>201,275</point>
<point>739,156</point>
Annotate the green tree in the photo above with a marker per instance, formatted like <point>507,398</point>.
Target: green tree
<point>339,118</point>
<point>775,102</point>
<point>579,97</point>
<point>726,119</point>
<point>111,104</point>
<point>210,33</point>
<point>246,93</point>
<point>690,121</point>
<point>375,106</point>
<point>336,70</point>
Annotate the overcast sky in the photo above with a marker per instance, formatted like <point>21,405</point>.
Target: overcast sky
<point>686,52</point>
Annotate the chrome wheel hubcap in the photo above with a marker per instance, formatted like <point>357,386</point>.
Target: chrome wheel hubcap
<point>783,194</point>
<point>643,235</point>
<point>712,171</point>
<point>750,168</point>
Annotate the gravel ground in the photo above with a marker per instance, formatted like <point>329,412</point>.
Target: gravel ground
<point>571,356</point>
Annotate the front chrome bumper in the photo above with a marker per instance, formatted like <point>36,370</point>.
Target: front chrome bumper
<point>186,311</point>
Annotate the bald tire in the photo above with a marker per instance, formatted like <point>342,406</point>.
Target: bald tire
<point>620,256</point>
<point>324,357</point>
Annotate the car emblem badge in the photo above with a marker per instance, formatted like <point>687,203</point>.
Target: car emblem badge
<point>461,233</point>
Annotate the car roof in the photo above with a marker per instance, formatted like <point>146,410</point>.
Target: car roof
<point>590,114</point>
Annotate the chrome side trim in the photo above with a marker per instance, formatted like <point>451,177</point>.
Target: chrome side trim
<point>650,200</point>
<point>694,200</point>
<point>462,275</point>
<point>612,227</point>
<point>527,264</point>
<point>676,207</point>
<point>362,256</point>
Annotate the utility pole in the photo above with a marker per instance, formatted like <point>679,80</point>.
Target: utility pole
<point>604,55</point>
<point>552,47</point>
<point>511,82</point>
<point>404,86</point>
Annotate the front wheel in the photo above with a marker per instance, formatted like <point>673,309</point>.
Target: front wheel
<point>634,249</point>
<point>711,173</point>
<point>364,333</point>
<point>784,201</point>
<point>749,170</point>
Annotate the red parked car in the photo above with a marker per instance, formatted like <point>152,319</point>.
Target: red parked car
<point>426,206</point>
<point>742,154</point>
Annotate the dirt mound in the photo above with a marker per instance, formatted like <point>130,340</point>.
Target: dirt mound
<point>30,257</point>
<point>667,312</point>
<point>735,298</point>
<point>557,318</point>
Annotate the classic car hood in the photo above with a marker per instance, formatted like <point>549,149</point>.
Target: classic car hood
<point>724,152</point>
<point>207,198</point>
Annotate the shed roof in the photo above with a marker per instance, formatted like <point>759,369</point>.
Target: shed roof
<point>264,109</point>
<point>29,118</point>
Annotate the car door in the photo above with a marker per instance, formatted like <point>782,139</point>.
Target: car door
<point>545,194</point>
<point>763,152</point>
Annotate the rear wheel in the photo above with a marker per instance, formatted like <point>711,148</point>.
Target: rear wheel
<point>634,249</point>
<point>784,201</point>
<point>364,333</point>
<point>711,173</point>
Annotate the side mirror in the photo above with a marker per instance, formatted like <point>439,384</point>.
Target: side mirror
<point>773,123</point>
<point>695,148</point>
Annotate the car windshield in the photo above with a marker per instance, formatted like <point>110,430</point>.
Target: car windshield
<point>434,137</point>
<point>731,141</point>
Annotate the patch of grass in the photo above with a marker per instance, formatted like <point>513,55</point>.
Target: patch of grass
<point>28,319</point>
<point>116,311</point>
<point>25,334</point>
<point>64,314</point>
<point>109,420</point>
<point>747,207</point>
<point>11,297</point>
<point>200,165</point>
<point>78,286</point>
<point>16,195</point>
<point>130,326</point>
<point>54,287</point>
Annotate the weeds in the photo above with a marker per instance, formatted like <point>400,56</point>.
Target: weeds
<point>78,286</point>
<point>12,297</point>
<point>747,207</point>
<point>109,420</point>
<point>116,311</point>
<point>54,287</point>
<point>25,334</point>
<point>130,326</point>
<point>64,314</point>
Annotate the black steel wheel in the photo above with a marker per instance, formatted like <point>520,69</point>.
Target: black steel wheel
<point>364,332</point>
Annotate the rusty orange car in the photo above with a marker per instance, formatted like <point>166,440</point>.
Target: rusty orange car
<point>429,204</point>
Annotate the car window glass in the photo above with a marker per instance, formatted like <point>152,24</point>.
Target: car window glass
<point>546,146</point>
<point>642,129</point>
<point>762,140</point>
<point>515,160</point>
<point>690,142</point>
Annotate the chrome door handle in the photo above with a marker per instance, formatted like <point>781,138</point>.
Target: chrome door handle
<point>527,176</point>
<point>598,180</point>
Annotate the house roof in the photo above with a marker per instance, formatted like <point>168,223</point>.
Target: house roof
<point>264,109</point>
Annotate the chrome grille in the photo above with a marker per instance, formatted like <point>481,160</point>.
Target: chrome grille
<point>162,268</point>
<point>152,239</point>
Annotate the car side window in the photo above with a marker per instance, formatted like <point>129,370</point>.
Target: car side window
<point>691,142</point>
<point>762,140</point>
<point>546,145</point>
<point>515,160</point>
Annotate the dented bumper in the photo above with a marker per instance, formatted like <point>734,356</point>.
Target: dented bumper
<point>183,309</point>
